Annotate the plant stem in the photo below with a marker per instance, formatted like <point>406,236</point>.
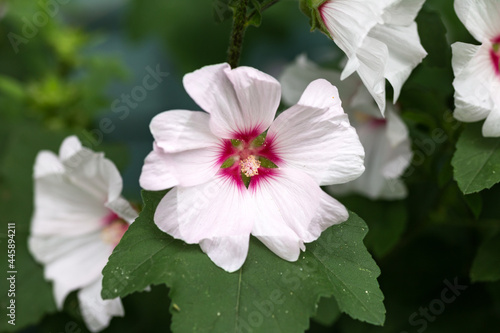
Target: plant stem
<point>239,27</point>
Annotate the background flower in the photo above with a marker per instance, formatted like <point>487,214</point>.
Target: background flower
<point>476,67</point>
<point>386,141</point>
<point>380,39</point>
<point>79,218</point>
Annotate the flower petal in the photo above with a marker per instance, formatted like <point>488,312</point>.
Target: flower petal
<point>330,212</point>
<point>404,49</point>
<point>402,12</point>
<point>285,206</point>
<point>473,80</point>
<point>227,252</point>
<point>186,168</point>
<point>217,211</point>
<point>239,101</point>
<point>70,146</point>
<point>349,21</point>
<point>480,17</point>
<point>123,209</point>
<point>47,163</point>
<point>372,63</point>
<point>259,96</point>
<point>96,312</point>
<point>179,130</point>
<point>322,94</point>
<point>71,262</point>
<point>326,148</point>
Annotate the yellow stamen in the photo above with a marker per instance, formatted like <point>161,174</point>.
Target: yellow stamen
<point>250,166</point>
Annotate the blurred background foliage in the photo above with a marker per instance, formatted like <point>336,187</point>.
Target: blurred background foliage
<point>68,73</point>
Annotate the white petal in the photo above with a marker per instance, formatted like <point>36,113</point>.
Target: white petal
<point>349,21</point>
<point>227,252</point>
<point>96,312</point>
<point>297,76</point>
<point>74,202</point>
<point>480,17</point>
<point>243,100</point>
<point>397,132</point>
<point>123,209</point>
<point>71,262</point>
<point>70,146</point>
<point>405,52</point>
<point>61,208</point>
<point>47,163</point>
<point>186,168</point>
<point>179,130</point>
<point>259,96</point>
<point>491,126</point>
<point>330,212</point>
<point>322,95</point>
<point>402,12</point>
<point>474,76</point>
<point>387,156</point>
<point>285,206</point>
<point>217,211</point>
<point>326,148</point>
<point>373,56</point>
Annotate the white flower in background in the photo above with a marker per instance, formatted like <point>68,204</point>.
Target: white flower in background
<point>233,179</point>
<point>379,37</point>
<point>477,67</point>
<point>79,217</point>
<point>386,141</point>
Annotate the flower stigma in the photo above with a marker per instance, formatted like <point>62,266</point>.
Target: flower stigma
<point>250,166</point>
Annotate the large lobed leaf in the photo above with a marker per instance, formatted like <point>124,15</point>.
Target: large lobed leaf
<point>476,161</point>
<point>267,294</point>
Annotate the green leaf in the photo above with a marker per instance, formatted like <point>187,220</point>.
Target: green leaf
<point>476,161</point>
<point>267,293</point>
<point>328,311</point>
<point>486,265</point>
<point>386,220</point>
<point>475,203</point>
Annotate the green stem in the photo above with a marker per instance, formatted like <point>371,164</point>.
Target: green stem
<point>239,27</point>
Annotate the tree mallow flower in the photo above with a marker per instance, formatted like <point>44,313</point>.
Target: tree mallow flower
<point>477,67</point>
<point>237,172</point>
<point>379,37</point>
<point>386,141</point>
<point>79,217</point>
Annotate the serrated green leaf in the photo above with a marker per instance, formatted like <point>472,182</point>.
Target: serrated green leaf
<point>267,294</point>
<point>328,311</point>
<point>475,203</point>
<point>486,265</point>
<point>476,161</point>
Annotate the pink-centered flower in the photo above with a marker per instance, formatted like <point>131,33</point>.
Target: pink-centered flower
<point>385,140</point>
<point>236,172</point>
<point>380,39</point>
<point>79,217</point>
<point>477,67</point>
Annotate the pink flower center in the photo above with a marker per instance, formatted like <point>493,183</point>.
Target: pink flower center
<point>248,159</point>
<point>114,229</point>
<point>495,55</point>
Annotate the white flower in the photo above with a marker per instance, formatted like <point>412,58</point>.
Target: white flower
<point>380,39</point>
<point>79,217</point>
<point>386,141</point>
<point>476,67</point>
<point>227,185</point>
